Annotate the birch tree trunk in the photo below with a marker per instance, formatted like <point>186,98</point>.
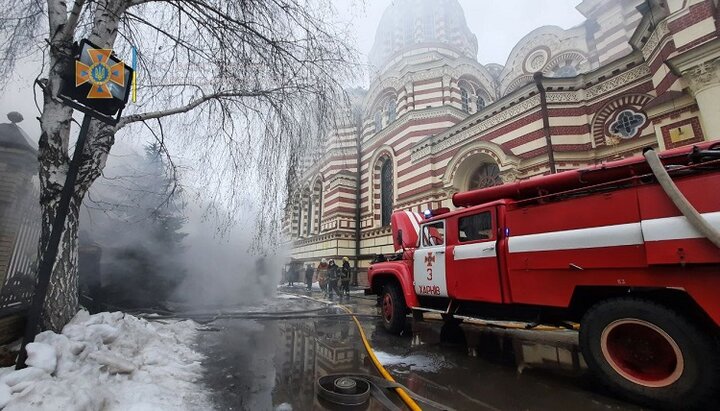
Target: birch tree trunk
<point>261,74</point>
<point>61,302</point>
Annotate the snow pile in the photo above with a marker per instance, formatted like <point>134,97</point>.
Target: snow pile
<point>427,362</point>
<point>108,361</point>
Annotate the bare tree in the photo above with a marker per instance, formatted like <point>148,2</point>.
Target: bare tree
<point>256,81</point>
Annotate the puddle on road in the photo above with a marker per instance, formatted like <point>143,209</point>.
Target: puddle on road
<point>268,365</point>
<point>551,351</point>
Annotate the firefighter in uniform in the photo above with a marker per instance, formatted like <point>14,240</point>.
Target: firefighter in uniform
<point>345,277</point>
<point>333,276</point>
<point>322,271</point>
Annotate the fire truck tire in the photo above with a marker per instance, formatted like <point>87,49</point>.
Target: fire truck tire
<point>650,354</point>
<point>393,308</point>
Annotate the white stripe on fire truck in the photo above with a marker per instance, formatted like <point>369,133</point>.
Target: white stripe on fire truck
<point>675,228</point>
<point>605,236</point>
<point>414,220</point>
<point>659,229</point>
<point>477,250</point>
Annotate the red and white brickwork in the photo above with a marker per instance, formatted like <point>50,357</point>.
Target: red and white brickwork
<point>635,74</point>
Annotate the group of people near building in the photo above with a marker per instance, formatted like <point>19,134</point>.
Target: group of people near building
<point>333,279</point>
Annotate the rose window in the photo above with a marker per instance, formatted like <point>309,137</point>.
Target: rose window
<point>627,124</point>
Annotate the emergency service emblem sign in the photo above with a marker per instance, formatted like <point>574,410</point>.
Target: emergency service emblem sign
<point>429,259</point>
<point>100,73</point>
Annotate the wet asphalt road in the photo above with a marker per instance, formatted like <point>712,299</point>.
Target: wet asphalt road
<point>269,364</point>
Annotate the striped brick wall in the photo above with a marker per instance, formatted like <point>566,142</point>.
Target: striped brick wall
<point>434,146</point>
<point>613,24</point>
<point>693,25</point>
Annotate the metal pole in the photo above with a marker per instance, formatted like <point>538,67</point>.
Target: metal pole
<point>538,77</point>
<point>50,253</point>
<point>358,199</point>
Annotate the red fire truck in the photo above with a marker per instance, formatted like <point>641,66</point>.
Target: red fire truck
<point>628,249</point>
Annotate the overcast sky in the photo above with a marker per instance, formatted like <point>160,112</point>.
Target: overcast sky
<point>498,25</point>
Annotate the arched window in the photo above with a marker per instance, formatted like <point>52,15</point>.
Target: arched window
<point>487,175</point>
<point>378,122</point>
<point>480,103</point>
<point>465,99</point>
<point>299,221</point>
<point>565,71</point>
<point>386,192</point>
<point>390,109</point>
<point>319,210</point>
<point>309,218</point>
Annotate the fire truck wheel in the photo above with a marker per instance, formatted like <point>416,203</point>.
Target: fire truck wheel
<point>650,353</point>
<point>393,308</point>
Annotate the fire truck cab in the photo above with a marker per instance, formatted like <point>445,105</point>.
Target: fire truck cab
<point>606,247</point>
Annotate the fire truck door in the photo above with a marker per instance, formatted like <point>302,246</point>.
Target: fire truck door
<point>472,265</point>
<point>429,261</point>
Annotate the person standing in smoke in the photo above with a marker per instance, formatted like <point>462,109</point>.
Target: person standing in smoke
<point>261,273</point>
<point>345,277</point>
<point>333,274</point>
<point>260,266</point>
<point>309,276</point>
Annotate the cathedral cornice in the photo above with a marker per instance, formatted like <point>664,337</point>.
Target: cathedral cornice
<point>525,99</point>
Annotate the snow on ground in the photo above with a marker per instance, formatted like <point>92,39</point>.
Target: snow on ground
<point>283,296</point>
<point>108,361</point>
<point>425,362</point>
<point>300,286</point>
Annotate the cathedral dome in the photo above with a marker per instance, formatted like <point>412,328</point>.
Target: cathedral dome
<point>411,26</point>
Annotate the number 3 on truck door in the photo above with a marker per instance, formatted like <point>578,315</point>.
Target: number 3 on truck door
<point>429,261</point>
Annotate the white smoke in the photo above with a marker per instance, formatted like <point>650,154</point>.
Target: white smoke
<point>225,270</point>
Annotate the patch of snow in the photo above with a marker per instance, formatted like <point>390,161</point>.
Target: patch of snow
<point>109,361</point>
<point>428,363</point>
<point>41,355</point>
<point>286,297</point>
<point>5,395</point>
<point>26,374</point>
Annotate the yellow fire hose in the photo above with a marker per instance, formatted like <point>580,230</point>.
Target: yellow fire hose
<point>411,404</point>
<point>403,395</point>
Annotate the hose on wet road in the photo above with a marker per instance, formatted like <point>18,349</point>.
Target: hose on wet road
<point>206,317</point>
<point>356,389</point>
<point>400,391</point>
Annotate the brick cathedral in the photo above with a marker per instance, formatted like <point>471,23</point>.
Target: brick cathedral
<point>433,121</point>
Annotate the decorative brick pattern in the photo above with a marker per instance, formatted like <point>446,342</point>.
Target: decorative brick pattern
<point>697,130</point>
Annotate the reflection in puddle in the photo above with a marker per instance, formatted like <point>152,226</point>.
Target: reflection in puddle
<point>312,349</point>
<point>556,351</point>
<point>273,365</point>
